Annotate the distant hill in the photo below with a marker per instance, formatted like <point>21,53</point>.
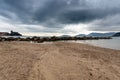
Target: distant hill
<point>80,35</point>
<point>4,34</point>
<point>116,34</point>
<point>101,34</point>
<point>110,34</point>
<point>65,36</point>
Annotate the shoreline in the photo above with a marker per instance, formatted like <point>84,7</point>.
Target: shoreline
<point>79,42</point>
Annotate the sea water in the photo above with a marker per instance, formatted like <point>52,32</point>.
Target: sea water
<point>113,43</point>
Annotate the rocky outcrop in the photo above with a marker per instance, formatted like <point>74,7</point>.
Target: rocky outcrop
<point>48,39</point>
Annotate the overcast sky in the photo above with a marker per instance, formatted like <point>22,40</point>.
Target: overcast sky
<point>54,17</point>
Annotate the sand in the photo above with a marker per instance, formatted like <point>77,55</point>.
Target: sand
<point>57,61</point>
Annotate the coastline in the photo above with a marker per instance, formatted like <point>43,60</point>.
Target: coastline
<point>97,45</point>
<point>87,42</point>
<point>57,61</point>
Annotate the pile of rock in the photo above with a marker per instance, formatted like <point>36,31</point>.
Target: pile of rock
<point>47,39</point>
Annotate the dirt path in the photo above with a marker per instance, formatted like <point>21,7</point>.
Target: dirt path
<point>57,61</point>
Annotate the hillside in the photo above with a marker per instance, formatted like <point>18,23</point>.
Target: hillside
<point>117,34</point>
<point>94,34</point>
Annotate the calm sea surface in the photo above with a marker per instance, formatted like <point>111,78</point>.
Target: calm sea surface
<point>106,43</point>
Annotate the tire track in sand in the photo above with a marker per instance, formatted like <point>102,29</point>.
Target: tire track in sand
<point>40,71</point>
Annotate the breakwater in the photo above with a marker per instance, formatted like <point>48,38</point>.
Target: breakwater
<point>47,39</point>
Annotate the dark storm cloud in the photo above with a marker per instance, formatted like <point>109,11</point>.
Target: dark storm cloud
<point>16,10</point>
<point>56,13</point>
<point>86,15</point>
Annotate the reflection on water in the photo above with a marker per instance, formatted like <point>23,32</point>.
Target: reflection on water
<point>107,43</point>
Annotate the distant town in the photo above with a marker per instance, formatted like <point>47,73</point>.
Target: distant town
<point>12,33</point>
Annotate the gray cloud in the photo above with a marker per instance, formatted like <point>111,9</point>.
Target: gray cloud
<point>86,15</point>
<point>110,23</point>
<point>56,14</point>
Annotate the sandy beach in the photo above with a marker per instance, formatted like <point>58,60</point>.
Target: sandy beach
<point>57,61</point>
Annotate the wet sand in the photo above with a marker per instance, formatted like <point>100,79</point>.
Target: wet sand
<point>57,61</point>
